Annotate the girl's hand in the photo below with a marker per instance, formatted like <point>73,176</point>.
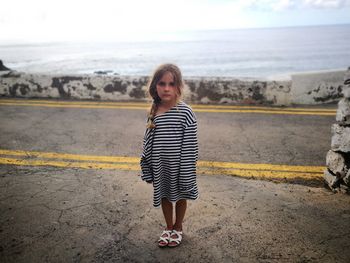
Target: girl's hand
<point>149,182</point>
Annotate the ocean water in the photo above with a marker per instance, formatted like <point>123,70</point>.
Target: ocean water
<point>271,53</point>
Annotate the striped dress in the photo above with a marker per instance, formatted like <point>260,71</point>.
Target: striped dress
<point>170,153</point>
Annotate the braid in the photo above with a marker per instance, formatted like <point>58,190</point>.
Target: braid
<point>151,115</point>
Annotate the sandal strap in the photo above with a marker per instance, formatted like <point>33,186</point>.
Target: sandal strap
<point>164,239</point>
<point>176,239</point>
<point>167,232</point>
<point>177,232</point>
<point>167,237</point>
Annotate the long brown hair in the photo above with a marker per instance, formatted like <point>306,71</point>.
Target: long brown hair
<point>152,88</point>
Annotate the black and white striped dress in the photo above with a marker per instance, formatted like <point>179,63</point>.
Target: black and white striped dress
<point>170,153</point>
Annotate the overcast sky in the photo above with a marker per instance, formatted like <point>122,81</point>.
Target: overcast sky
<point>61,20</point>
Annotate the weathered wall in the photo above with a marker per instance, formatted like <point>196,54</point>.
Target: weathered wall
<point>231,91</point>
<point>17,84</point>
<point>317,87</point>
<point>302,89</point>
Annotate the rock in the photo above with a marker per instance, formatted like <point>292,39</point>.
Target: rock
<point>336,163</point>
<point>340,138</point>
<point>343,112</point>
<point>10,74</point>
<point>103,72</point>
<point>346,91</point>
<point>337,176</point>
<point>331,180</point>
<point>346,179</point>
<point>347,77</point>
<point>2,67</point>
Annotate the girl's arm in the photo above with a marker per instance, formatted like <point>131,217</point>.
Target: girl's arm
<point>146,172</point>
<point>145,162</point>
<point>189,157</point>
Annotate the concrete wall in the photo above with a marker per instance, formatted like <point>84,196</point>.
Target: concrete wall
<point>317,87</point>
<point>311,88</point>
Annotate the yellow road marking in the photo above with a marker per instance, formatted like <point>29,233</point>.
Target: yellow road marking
<point>128,167</point>
<point>125,106</point>
<point>259,107</point>
<point>209,164</point>
<point>95,103</point>
<point>65,156</point>
<point>132,164</point>
<point>269,167</point>
<point>147,105</point>
<point>84,165</point>
<point>73,106</point>
<point>263,174</point>
<point>269,111</point>
<point>72,102</point>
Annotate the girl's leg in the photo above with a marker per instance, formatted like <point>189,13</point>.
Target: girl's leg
<point>167,208</point>
<point>180,210</point>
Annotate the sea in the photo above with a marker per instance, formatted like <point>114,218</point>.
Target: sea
<point>265,53</point>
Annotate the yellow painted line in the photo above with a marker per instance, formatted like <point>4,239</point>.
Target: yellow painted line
<point>261,171</point>
<point>194,106</point>
<point>136,160</point>
<point>270,167</point>
<point>65,156</point>
<point>73,106</point>
<point>128,167</point>
<point>73,102</point>
<point>142,108</point>
<point>269,111</point>
<point>261,174</point>
<point>147,105</point>
<point>83,165</point>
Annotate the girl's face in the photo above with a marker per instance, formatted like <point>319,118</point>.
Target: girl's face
<point>166,89</point>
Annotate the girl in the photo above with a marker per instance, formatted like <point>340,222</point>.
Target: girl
<point>170,151</point>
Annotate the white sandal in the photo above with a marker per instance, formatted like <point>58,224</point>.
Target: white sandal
<point>177,239</point>
<point>164,237</point>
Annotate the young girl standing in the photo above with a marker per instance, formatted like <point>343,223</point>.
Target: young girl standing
<point>170,151</point>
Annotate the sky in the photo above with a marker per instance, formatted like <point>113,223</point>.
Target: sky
<point>116,20</point>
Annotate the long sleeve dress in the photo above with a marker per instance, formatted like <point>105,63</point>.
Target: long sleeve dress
<point>170,154</point>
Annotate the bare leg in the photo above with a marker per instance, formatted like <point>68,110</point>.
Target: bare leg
<point>181,206</point>
<point>167,208</point>
<point>180,209</point>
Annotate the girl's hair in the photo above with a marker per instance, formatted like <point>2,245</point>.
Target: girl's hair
<point>152,88</point>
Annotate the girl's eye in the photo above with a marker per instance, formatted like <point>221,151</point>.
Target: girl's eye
<point>163,84</point>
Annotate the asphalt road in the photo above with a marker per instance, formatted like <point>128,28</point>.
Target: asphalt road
<point>70,190</point>
<point>249,137</point>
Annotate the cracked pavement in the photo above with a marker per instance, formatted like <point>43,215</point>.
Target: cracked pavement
<point>51,214</point>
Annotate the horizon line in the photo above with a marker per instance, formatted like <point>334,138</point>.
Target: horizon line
<point>126,39</point>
